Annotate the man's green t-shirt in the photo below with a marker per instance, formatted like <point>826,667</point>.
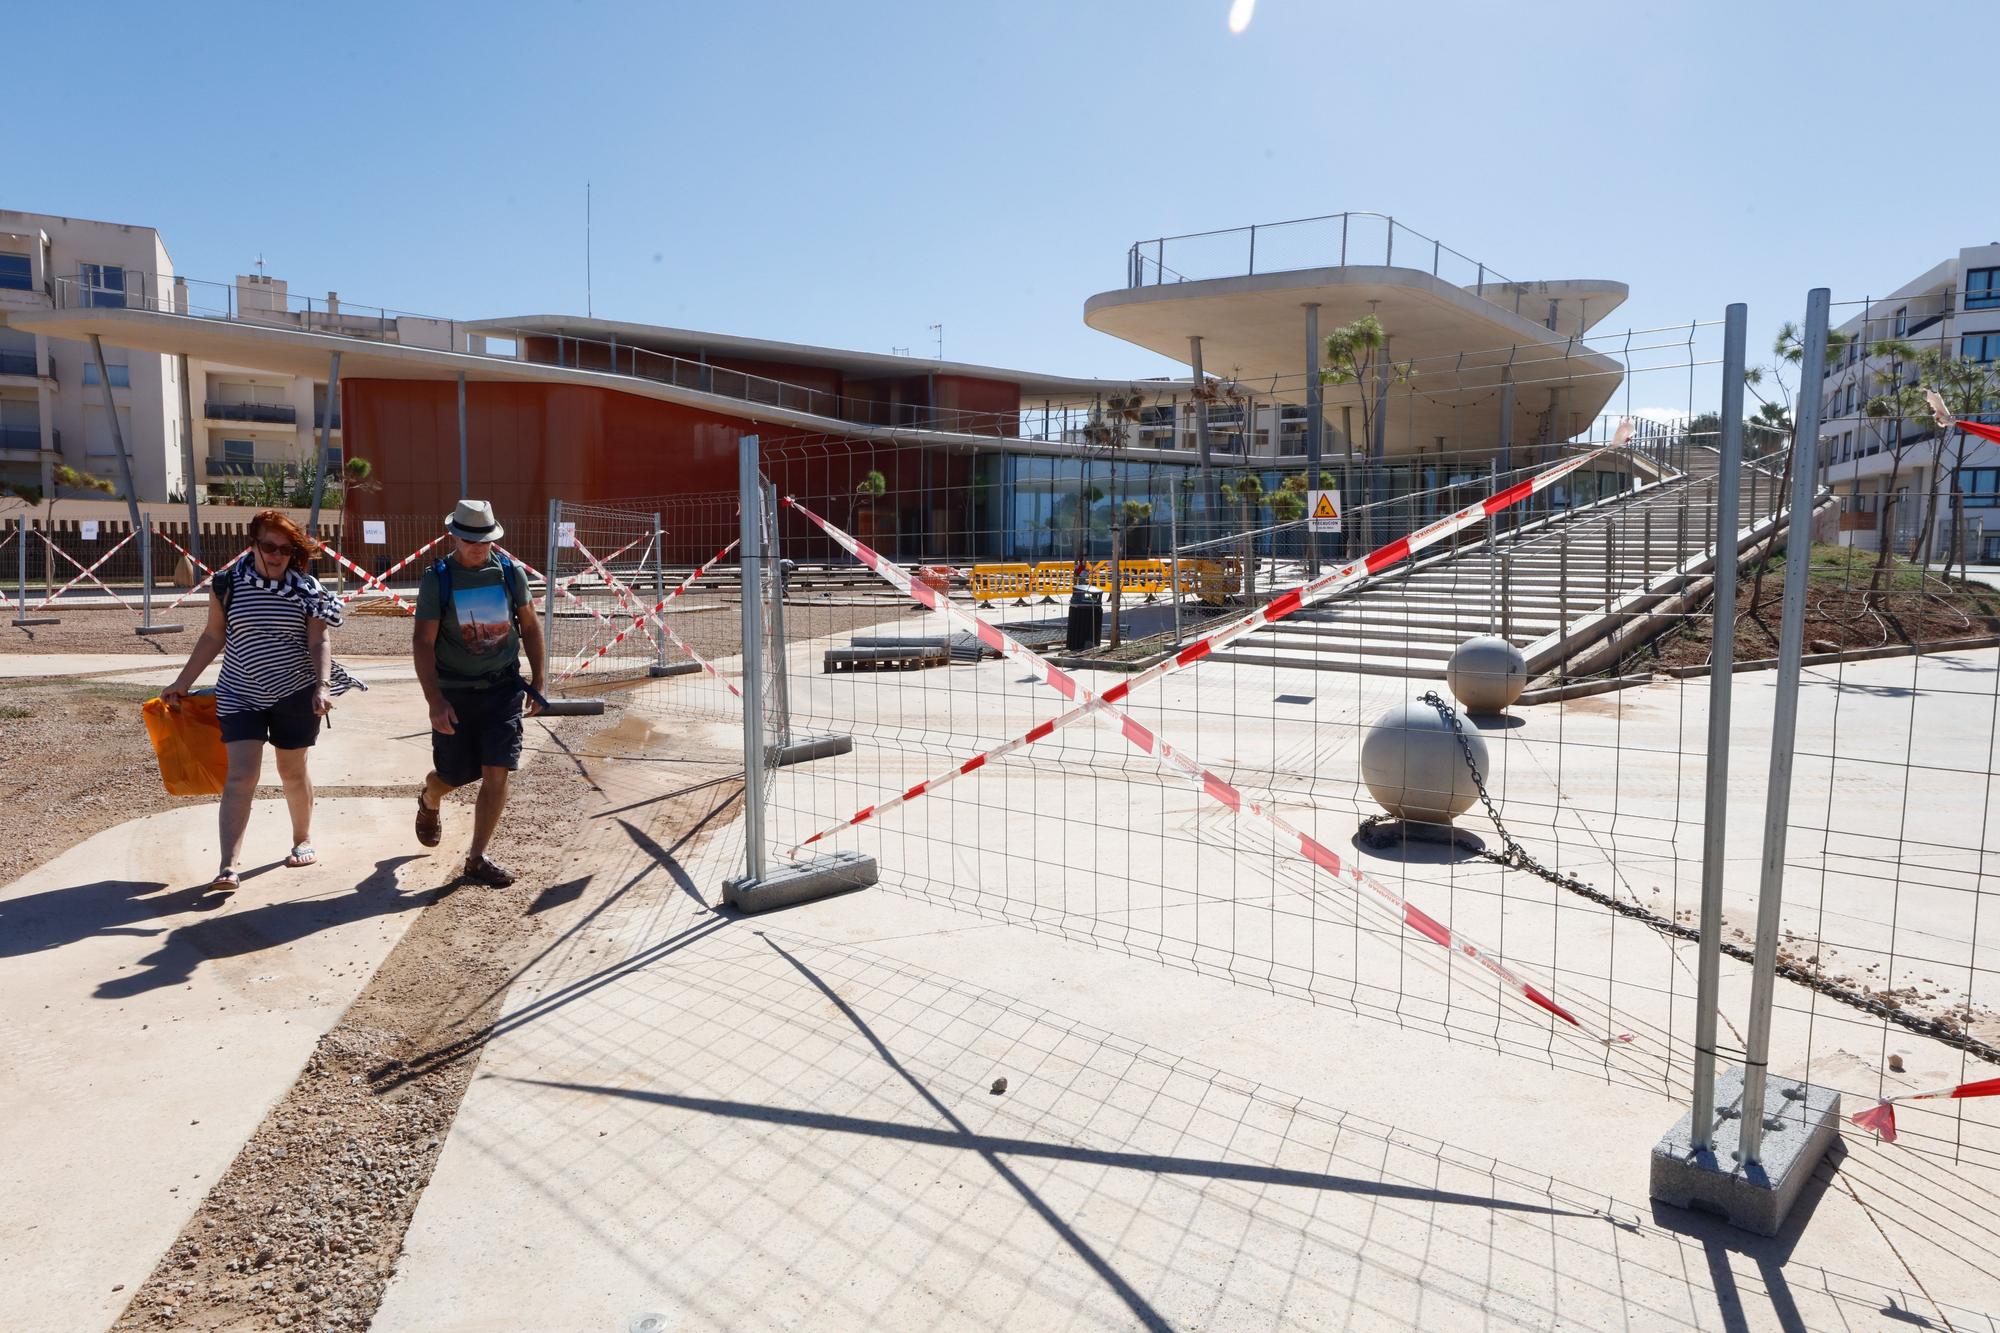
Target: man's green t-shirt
<point>477,644</point>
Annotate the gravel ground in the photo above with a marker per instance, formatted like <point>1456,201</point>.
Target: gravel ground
<point>304,1229</point>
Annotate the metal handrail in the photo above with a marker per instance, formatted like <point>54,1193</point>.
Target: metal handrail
<point>1137,260</point>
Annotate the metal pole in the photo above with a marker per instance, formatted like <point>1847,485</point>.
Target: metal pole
<point>187,461</point>
<point>781,700</point>
<point>325,434</point>
<point>753,665</point>
<point>659,589</point>
<point>1506,598</point>
<point>464,467</point>
<point>1610,565</point>
<point>1173,559</point>
<point>1784,726</point>
<point>750,496</point>
<point>1721,677</point>
<point>1562,602</point>
<point>1492,561</point>
<point>117,432</point>
<point>549,589</point>
<point>146,576</point>
<point>1315,411</point>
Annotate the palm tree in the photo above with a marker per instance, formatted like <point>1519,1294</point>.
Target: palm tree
<point>1356,354</point>
<point>1774,427</point>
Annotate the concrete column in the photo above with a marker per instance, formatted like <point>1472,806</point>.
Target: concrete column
<point>1200,404</point>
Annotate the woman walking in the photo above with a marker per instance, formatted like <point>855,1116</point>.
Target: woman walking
<point>269,619</point>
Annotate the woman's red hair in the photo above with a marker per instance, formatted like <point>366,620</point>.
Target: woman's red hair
<point>304,548</point>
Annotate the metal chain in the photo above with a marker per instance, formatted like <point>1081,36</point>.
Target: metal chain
<point>1516,857</point>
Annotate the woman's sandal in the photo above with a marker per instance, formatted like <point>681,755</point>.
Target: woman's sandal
<point>225,881</point>
<point>302,855</point>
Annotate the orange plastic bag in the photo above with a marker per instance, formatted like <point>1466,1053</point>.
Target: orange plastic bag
<point>188,742</point>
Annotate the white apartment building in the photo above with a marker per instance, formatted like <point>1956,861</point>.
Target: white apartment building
<point>52,407</point>
<point>1955,305</point>
<point>52,404</point>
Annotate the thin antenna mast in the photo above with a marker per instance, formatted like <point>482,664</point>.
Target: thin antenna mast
<point>588,312</point>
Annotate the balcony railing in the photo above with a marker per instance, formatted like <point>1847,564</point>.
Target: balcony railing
<point>17,363</point>
<point>238,467</point>
<point>319,419</point>
<point>1334,241</point>
<point>20,437</point>
<point>277,413</point>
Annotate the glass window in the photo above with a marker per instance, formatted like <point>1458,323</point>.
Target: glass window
<point>1902,321</point>
<point>1981,487</point>
<point>1980,347</point>
<point>17,274</point>
<point>104,285</point>
<point>1982,289</point>
<point>121,376</point>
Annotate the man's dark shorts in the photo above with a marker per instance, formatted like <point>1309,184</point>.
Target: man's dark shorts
<point>289,724</point>
<point>487,735</point>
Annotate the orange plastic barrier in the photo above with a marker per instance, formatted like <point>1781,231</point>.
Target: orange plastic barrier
<point>188,742</point>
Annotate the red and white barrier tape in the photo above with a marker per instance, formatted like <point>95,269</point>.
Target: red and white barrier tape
<point>90,573</point>
<point>207,578</point>
<point>584,664</point>
<point>368,579</point>
<point>1882,1116</point>
<point>386,574</point>
<point>1285,605</point>
<point>193,559</point>
<point>1314,851</point>
<point>626,598</point>
<point>660,623</point>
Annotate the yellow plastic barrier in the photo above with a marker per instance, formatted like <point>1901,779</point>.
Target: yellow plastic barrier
<point>1053,579</point>
<point>1002,583</point>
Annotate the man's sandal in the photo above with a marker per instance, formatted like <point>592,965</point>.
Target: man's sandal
<point>225,881</point>
<point>302,855</point>
<point>430,823</point>
<point>483,871</point>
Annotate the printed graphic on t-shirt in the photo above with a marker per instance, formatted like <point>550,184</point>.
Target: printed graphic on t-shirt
<point>484,621</point>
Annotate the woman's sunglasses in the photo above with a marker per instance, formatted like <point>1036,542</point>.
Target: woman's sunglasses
<point>275,549</point>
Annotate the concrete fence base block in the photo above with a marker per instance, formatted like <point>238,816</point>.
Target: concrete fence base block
<point>25,621</point>
<point>673,669</point>
<point>1802,1122</point>
<point>159,629</point>
<point>801,882</point>
<point>805,749</point>
<point>573,708</point>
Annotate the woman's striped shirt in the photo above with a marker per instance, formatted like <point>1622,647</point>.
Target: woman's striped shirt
<point>264,653</point>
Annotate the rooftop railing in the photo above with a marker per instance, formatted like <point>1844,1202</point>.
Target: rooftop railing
<point>1333,241</point>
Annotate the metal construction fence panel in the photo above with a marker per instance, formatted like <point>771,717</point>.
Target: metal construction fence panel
<point>1206,784</point>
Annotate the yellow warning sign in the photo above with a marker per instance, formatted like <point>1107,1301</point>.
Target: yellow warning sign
<point>1323,511</point>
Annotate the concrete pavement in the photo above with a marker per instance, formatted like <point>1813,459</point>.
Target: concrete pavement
<point>147,1025</point>
<point>790,1121</point>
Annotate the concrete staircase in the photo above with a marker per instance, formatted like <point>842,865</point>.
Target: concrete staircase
<point>1551,587</point>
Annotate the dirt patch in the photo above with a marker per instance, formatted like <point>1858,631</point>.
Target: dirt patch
<point>1842,612</point>
<point>74,760</point>
<point>109,630</point>
<point>304,1229</point>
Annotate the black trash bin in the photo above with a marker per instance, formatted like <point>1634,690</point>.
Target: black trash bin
<point>1086,620</point>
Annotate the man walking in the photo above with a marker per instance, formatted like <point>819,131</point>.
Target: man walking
<point>474,620</point>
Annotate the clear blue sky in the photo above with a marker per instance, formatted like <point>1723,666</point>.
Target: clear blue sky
<point>852,173</point>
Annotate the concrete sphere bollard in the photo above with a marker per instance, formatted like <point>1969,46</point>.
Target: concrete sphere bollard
<point>1413,764</point>
<point>1487,673</point>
